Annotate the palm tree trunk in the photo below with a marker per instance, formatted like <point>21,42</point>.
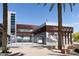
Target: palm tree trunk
<point>5,17</point>
<point>60,26</point>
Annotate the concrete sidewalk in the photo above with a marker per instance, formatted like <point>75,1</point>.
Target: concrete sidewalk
<point>33,49</point>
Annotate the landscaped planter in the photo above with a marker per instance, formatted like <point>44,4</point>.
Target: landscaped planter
<point>63,51</point>
<point>53,47</point>
<point>49,47</point>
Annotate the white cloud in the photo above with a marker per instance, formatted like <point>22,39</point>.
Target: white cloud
<point>76,23</point>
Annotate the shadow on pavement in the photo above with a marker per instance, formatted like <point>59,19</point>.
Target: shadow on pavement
<point>54,54</point>
<point>64,54</point>
<point>74,54</point>
<point>59,54</point>
<point>16,54</point>
<point>56,51</point>
<point>39,47</point>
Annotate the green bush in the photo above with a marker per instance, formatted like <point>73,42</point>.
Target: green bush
<point>76,50</point>
<point>3,50</point>
<point>76,36</point>
<point>7,48</point>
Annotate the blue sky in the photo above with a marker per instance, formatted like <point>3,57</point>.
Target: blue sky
<point>34,14</point>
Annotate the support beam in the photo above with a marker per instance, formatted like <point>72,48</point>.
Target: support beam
<point>68,37</point>
<point>71,38</point>
<point>62,38</point>
<point>65,37</point>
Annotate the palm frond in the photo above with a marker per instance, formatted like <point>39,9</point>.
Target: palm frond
<point>70,4</point>
<point>44,4</point>
<point>38,3</point>
<point>51,7</point>
<point>73,4</point>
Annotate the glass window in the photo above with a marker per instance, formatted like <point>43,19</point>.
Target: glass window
<point>12,19</point>
<point>25,30</point>
<point>26,38</point>
<point>12,24</point>
<point>12,14</point>
<point>18,37</point>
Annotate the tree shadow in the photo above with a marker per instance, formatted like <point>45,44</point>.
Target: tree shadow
<point>74,54</point>
<point>54,54</point>
<point>70,54</point>
<point>56,51</point>
<point>5,54</point>
<point>16,54</point>
<point>38,47</point>
<point>58,54</point>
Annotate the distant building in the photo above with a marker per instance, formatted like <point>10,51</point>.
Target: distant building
<point>25,32</point>
<point>11,28</point>
<point>11,31</point>
<point>48,34</point>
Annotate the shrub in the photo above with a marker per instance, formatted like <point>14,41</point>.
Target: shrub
<point>7,48</point>
<point>76,50</point>
<point>76,36</point>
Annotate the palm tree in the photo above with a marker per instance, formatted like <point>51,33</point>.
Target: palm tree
<point>5,17</point>
<point>59,6</point>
